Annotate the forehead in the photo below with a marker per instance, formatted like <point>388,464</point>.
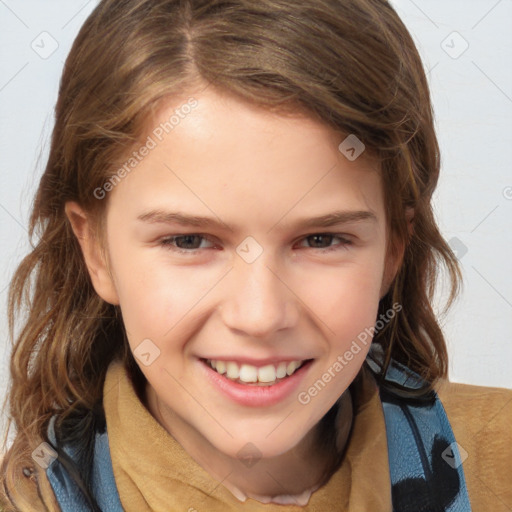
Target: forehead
<point>220,153</point>
<point>214,119</point>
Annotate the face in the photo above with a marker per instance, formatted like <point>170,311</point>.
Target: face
<point>248,239</point>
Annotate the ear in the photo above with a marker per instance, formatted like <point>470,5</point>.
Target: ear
<point>395,255</point>
<point>94,257</point>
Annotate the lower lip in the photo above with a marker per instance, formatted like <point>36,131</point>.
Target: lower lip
<point>256,396</point>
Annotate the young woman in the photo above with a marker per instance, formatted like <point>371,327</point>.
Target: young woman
<point>228,303</point>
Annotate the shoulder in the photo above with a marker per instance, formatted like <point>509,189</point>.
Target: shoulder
<point>481,406</point>
<point>481,419</point>
<point>477,409</point>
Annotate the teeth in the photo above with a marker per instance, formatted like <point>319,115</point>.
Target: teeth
<point>281,370</point>
<point>251,374</point>
<point>233,372</point>
<point>248,373</point>
<point>292,366</point>
<point>267,373</point>
<point>220,367</point>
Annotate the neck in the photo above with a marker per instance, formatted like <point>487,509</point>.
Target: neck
<point>289,478</point>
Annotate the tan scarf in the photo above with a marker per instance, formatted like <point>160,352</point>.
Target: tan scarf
<point>154,473</point>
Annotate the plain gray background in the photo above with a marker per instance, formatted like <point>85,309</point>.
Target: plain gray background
<point>467,50</point>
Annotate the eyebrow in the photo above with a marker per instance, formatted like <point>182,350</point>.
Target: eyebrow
<point>326,220</point>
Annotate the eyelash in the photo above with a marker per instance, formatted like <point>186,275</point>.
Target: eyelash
<point>169,241</point>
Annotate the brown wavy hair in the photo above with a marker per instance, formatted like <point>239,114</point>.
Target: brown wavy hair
<point>349,63</point>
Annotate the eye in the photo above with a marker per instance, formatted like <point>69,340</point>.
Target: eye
<point>323,241</point>
<point>191,243</point>
<point>184,243</point>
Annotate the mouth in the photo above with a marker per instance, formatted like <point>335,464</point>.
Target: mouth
<point>252,375</point>
<point>262,384</point>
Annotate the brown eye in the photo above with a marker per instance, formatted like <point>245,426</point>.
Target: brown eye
<point>188,243</point>
<point>318,241</point>
<point>324,241</point>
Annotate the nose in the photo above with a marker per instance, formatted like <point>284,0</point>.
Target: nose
<point>259,301</point>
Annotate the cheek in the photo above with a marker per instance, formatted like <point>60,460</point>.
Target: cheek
<point>153,295</point>
<point>160,301</point>
<point>346,299</point>
<point>347,303</point>
<point>354,307</point>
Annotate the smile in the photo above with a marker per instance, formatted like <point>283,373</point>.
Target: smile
<point>248,374</point>
<point>264,383</point>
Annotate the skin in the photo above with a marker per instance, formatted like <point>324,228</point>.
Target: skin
<point>259,172</point>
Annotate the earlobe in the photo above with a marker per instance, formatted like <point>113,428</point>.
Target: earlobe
<point>93,255</point>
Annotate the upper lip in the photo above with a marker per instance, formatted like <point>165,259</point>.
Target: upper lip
<point>256,362</point>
